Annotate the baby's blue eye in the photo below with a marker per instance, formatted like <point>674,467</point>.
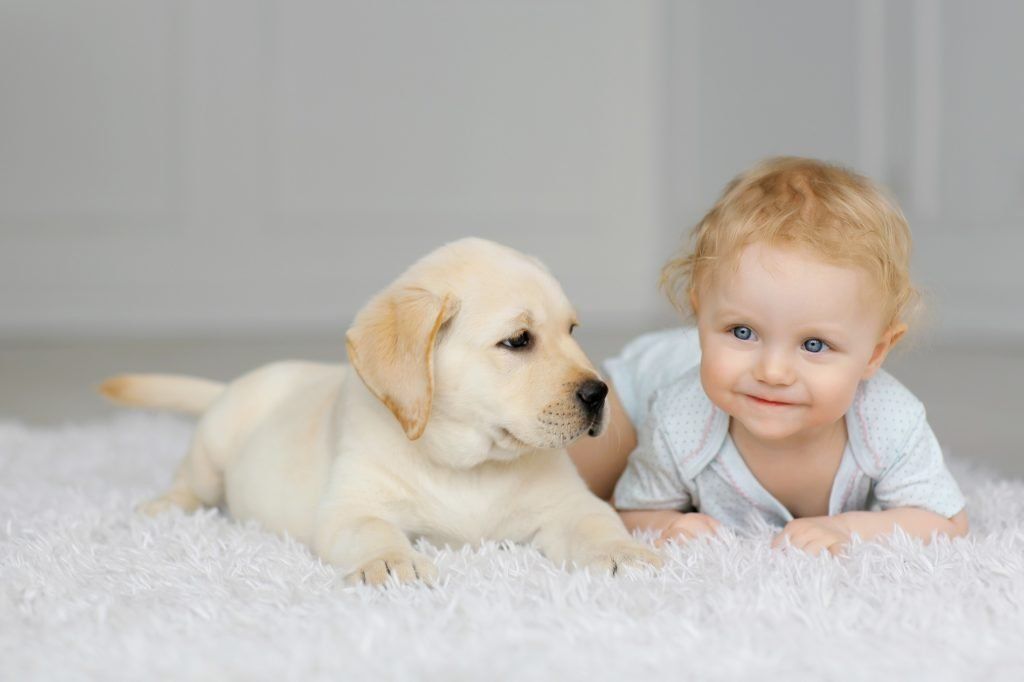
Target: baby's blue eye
<point>742,333</point>
<point>814,345</point>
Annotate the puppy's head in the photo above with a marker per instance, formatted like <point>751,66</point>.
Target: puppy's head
<point>477,338</point>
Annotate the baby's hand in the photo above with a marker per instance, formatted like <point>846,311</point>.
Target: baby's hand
<point>815,533</point>
<point>686,527</point>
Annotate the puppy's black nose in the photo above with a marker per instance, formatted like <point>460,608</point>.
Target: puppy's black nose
<point>592,393</point>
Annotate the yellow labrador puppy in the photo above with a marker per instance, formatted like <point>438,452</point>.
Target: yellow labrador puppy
<point>467,387</point>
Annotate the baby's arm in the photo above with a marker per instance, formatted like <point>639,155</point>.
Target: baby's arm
<point>651,482</point>
<point>601,460</point>
<point>645,364</point>
<point>832,533</point>
<point>914,521</point>
<point>915,492</point>
<point>670,524</point>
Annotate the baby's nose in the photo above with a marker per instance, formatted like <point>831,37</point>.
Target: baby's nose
<point>775,368</point>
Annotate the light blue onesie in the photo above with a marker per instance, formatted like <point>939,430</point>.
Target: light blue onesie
<point>686,460</point>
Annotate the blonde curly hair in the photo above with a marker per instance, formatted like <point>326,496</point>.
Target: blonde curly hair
<point>833,212</point>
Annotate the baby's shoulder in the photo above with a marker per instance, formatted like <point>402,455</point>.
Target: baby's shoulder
<point>668,352</point>
<point>691,426</point>
<point>650,362</point>
<point>884,415</point>
<point>884,392</point>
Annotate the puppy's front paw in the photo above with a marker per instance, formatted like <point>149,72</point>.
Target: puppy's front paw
<point>610,558</point>
<point>406,567</point>
<point>175,499</point>
<point>155,507</point>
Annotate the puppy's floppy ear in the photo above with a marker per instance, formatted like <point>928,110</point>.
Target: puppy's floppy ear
<point>391,346</point>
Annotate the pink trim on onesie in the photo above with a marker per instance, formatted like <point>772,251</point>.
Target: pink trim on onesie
<point>704,436</point>
<point>728,477</point>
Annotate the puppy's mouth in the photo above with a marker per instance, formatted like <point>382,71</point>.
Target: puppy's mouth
<point>596,427</point>
<point>509,440</point>
<point>555,434</point>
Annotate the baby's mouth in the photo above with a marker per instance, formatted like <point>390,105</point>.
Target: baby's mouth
<point>770,403</point>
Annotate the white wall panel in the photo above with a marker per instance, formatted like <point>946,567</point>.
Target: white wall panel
<point>204,165</point>
<point>776,78</point>
<point>191,166</point>
<point>982,164</point>
<point>89,127</point>
<point>968,176</point>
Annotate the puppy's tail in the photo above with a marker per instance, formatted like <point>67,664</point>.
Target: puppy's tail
<point>162,391</point>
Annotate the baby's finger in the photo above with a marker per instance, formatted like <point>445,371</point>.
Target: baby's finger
<point>831,543</point>
<point>673,534</point>
<point>691,529</point>
<point>687,533</point>
<point>837,548</point>
<point>803,540</point>
<point>815,546</point>
<point>709,526</point>
<point>701,518</point>
<point>795,537</point>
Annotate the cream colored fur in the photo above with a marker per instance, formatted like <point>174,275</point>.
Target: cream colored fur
<point>436,429</point>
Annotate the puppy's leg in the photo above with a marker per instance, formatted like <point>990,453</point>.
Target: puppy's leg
<point>197,483</point>
<point>589,534</point>
<point>370,549</point>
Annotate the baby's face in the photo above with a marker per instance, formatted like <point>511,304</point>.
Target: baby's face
<point>786,340</point>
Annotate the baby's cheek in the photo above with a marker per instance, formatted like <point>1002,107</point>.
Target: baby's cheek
<point>717,378</point>
<point>835,397</point>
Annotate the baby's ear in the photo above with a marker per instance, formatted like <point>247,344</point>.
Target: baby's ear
<point>896,333</point>
<point>885,344</point>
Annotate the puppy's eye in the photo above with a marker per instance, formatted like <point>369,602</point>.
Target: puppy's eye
<point>518,342</point>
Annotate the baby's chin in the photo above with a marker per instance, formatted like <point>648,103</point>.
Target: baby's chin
<point>769,430</point>
<point>766,423</point>
<point>793,428</point>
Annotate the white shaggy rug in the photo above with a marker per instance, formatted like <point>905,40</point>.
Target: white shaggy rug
<point>89,590</point>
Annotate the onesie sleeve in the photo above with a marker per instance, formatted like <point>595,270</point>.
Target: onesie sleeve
<point>649,362</point>
<point>651,479</point>
<point>917,476</point>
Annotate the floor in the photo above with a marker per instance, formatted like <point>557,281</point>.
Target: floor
<point>972,392</point>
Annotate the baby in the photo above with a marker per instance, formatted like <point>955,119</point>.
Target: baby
<point>776,405</point>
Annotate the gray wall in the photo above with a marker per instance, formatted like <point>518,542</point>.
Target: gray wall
<point>210,166</point>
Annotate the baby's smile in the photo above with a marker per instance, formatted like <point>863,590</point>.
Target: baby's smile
<point>771,403</point>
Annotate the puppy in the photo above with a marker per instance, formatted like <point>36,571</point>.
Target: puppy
<point>467,386</point>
